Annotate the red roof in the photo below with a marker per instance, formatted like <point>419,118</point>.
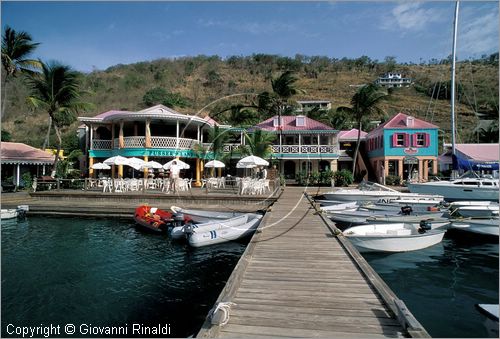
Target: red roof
<point>289,124</point>
<point>479,152</point>
<point>401,120</point>
<point>351,135</point>
<point>15,152</point>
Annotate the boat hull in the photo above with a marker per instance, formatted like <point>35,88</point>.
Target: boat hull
<point>225,234</point>
<point>179,231</point>
<point>10,213</point>
<point>478,226</point>
<point>392,238</point>
<point>455,192</point>
<point>200,216</point>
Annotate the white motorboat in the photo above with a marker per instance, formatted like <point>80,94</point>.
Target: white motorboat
<point>374,192</point>
<point>202,216</point>
<point>417,205</point>
<point>490,312</point>
<point>9,213</point>
<point>432,220</point>
<point>479,226</point>
<point>225,234</point>
<point>480,211</point>
<point>356,217</point>
<point>184,230</point>
<point>346,206</point>
<point>463,188</point>
<point>394,237</point>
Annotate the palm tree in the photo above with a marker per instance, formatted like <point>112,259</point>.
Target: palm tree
<point>57,91</point>
<point>16,49</point>
<point>259,143</point>
<point>365,103</point>
<point>278,101</point>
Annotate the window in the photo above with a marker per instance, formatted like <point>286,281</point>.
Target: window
<point>400,140</point>
<point>276,122</point>
<point>300,121</point>
<point>420,140</point>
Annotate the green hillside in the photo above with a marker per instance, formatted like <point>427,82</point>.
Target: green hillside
<point>196,81</point>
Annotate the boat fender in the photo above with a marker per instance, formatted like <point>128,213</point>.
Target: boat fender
<point>406,210</point>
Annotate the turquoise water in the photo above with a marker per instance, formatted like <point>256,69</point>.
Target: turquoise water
<point>441,284</point>
<point>107,273</point>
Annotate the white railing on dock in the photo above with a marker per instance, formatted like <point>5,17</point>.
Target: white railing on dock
<point>140,142</point>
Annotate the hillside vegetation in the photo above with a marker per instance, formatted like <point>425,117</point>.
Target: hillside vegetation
<point>193,82</point>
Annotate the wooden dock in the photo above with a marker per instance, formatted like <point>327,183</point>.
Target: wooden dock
<point>297,278</point>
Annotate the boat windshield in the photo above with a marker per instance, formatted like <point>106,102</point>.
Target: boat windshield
<point>373,186</point>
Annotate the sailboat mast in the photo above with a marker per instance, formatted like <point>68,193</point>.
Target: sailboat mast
<point>453,56</point>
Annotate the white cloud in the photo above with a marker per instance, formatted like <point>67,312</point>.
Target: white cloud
<point>410,16</point>
<point>478,33</point>
<point>252,27</point>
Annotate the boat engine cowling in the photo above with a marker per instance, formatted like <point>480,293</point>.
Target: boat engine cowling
<point>188,229</point>
<point>425,225</point>
<point>406,210</point>
<point>178,219</point>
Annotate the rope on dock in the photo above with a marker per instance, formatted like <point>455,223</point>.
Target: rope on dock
<point>220,318</point>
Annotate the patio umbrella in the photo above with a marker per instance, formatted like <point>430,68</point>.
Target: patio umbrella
<point>215,164</point>
<point>251,160</point>
<point>152,164</point>
<point>181,164</point>
<point>136,163</point>
<point>100,166</point>
<point>238,165</point>
<point>116,160</point>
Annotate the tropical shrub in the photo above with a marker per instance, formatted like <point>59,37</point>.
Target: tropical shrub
<point>393,180</point>
<point>343,178</point>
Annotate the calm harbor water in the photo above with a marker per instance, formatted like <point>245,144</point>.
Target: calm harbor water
<point>105,272</point>
<point>441,284</point>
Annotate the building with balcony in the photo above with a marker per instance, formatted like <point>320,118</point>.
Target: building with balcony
<point>302,144</point>
<point>308,105</point>
<point>157,133</point>
<point>403,146</point>
<point>393,80</point>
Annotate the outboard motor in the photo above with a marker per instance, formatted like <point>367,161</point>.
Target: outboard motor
<point>425,225</point>
<point>406,210</point>
<point>22,210</point>
<point>188,230</point>
<point>178,219</point>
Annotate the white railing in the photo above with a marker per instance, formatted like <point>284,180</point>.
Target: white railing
<point>134,142</point>
<point>305,149</point>
<point>101,144</point>
<point>163,142</point>
<point>140,142</point>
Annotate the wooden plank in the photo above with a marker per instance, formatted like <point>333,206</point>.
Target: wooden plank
<point>296,278</point>
<point>290,332</point>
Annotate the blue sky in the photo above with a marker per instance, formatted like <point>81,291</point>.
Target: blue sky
<point>89,35</point>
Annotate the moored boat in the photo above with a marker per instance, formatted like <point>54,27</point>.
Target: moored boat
<point>225,234</point>
<point>154,219</point>
<point>9,213</point>
<point>433,220</point>
<point>490,311</point>
<point>186,230</point>
<point>368,191</point>
<point>463,188</point>
<point>479,211</point>
<point>394,237</point>
<point>488,227</point>
<point>202,216</point>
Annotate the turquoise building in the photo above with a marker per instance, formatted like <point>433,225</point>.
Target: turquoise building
<point>403,146</point>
